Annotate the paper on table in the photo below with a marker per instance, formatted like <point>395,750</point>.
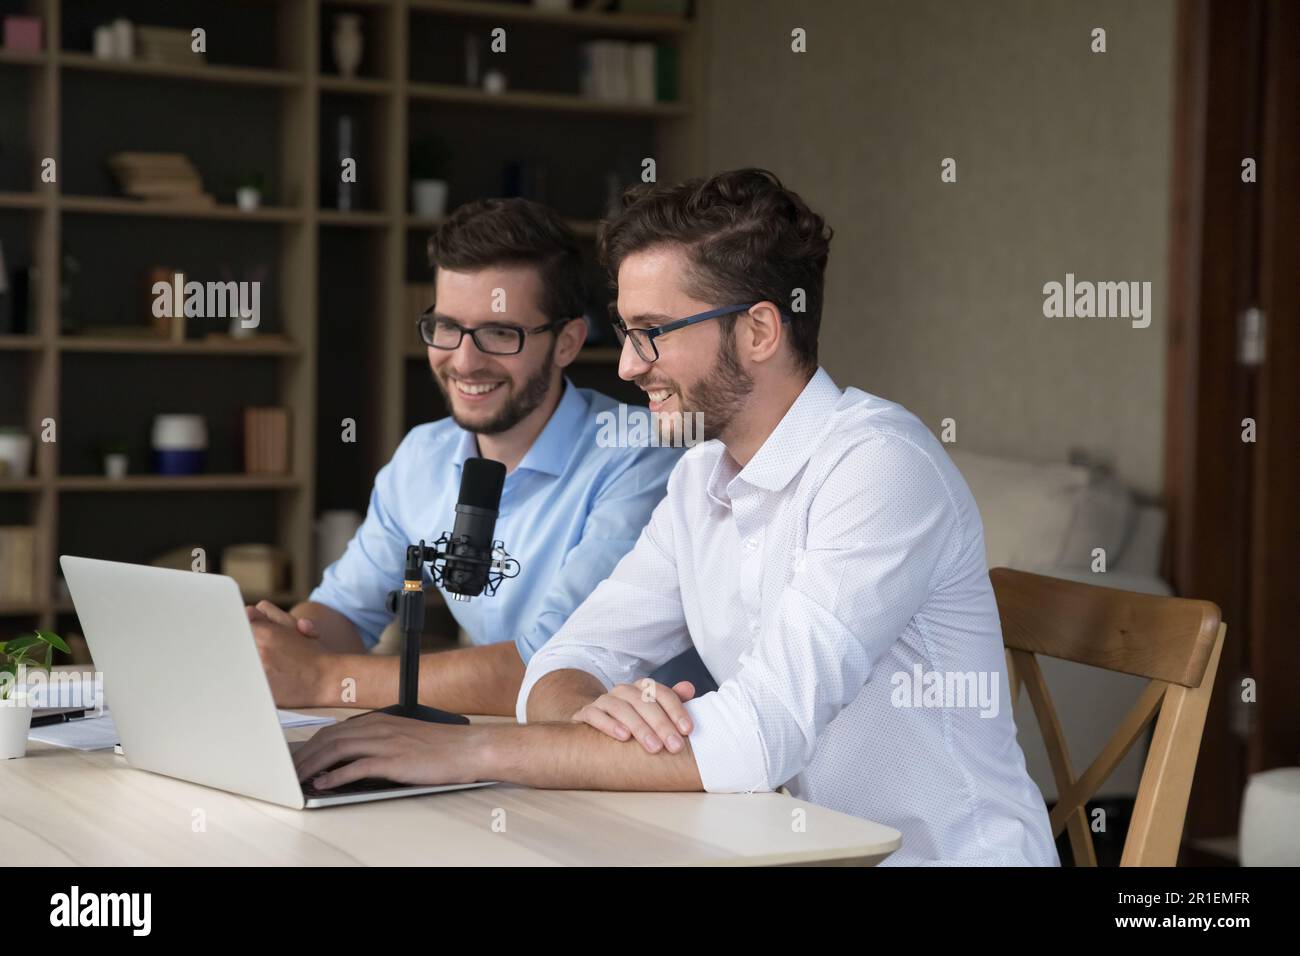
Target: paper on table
<point>89,733</point>
<point>98,733</point>
<point>289,718</point>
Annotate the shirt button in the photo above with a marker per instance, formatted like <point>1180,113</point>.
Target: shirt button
<point>751,544</point>
<point>753,627</point>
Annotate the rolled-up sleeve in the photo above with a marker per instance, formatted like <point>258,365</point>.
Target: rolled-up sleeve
<point>357,584</point>
<point>621,509</point>
<point>632,623</point>
<point>868,567</point>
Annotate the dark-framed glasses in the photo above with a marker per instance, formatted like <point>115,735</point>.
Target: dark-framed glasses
<point>440,332</point>
<point>643,340</point>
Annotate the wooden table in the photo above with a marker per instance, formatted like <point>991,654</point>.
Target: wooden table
<point>67,807</point>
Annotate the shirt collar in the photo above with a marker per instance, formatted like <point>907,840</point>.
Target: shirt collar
<point>789,446</point>
<point>550,450</point>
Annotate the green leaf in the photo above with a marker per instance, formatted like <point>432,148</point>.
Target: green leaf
<point>49,637</point>
<point>21,643</point>
<point>49,655</point>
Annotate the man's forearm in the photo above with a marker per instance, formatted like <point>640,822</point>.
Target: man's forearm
<point>561,694</point>
<point>336,633</point>
<point>571,756</point>
<point>467,680</point>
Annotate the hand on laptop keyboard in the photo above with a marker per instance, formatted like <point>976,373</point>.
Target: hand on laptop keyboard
<point>367,785</point>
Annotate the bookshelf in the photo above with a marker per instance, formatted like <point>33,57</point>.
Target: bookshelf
<point>341,338</point>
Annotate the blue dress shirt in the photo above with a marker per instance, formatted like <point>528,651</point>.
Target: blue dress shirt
<point>569,511</point>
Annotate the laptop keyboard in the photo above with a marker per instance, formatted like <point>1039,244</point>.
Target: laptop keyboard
<point>368,785</point>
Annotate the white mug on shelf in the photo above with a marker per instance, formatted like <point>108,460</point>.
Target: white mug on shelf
<point>15,453</point>
<point>429,198</point>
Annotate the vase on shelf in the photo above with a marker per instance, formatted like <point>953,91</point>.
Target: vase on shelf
<point>180,444</point>
<point>348,43</point>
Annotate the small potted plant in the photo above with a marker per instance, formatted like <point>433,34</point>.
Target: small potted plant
<point>249,191</point>
<point>16,658</point>
<point>429,157</point>
<point>115,459</point>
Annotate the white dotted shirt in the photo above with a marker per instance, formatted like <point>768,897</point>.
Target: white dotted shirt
<point>836,588</point>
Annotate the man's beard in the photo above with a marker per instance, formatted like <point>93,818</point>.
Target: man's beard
<point>522,402</point>
<point>716,398</point>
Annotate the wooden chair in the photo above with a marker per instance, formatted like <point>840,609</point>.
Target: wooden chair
<point>1174,642</point>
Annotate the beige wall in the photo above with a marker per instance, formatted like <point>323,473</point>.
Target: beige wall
<point>935,290</point>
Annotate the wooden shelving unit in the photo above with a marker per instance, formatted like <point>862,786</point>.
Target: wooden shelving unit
<point>300,85</point>
<point>114,206</point>
<point>560,102</point>
<point>677,141</point>
<point>261,345</point>
<point>584,21</point>
<point>205,482</point>
<point>204,74</point>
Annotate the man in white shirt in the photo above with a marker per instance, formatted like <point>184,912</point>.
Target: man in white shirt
<point>823,555</point>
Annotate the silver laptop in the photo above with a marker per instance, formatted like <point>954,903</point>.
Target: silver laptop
<point>185,683</point>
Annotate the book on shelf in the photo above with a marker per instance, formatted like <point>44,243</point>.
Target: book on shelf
<point>168,45</point>
<point>159,177</point>
<point>619,71</point>
<point>266,440</point>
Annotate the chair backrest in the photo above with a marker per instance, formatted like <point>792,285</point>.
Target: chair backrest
<point>1174,642</point>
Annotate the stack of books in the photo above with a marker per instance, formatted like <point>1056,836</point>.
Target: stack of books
<point>266,441</point>
<point>166,45</point>
<point>165,177</point>
<point>619,71</point>
<point>17,563</point>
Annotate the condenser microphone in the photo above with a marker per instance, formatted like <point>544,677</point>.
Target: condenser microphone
<point>468,562</point>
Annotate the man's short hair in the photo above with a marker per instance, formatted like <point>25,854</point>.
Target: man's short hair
<point>747,238</point>
<point>510,232</point>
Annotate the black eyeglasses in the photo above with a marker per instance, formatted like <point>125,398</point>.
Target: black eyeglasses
<point>643,340</point>
<point>443,333</point>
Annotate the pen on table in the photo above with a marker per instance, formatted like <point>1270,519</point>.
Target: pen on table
<point>59,718</point>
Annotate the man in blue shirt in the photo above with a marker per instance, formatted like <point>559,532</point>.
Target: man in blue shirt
<point>507,322</point>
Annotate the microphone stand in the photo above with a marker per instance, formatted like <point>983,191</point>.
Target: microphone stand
<point>408,605</point>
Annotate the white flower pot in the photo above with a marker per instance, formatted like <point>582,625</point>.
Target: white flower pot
<point>15,724</point>
<point>247,198</point>
<point>115,465</point>
<point>429,198</point>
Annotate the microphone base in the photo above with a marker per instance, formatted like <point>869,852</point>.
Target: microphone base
<point>419,712</point>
